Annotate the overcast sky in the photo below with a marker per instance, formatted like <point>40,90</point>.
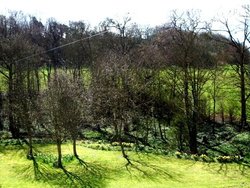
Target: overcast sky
<point>143,12</point>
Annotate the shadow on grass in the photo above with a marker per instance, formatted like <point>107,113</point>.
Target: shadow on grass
<point>87,175</point>
<point>242,168</point>
<point>82,174</point>
<point>153,172</point>
<point>229,168</point>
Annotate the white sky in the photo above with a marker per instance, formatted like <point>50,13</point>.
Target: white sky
<point>143,12</point>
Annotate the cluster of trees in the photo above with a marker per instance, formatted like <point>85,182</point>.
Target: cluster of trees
<point>132,84</point>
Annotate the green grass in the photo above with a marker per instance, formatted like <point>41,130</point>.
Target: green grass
<point>108,169</point>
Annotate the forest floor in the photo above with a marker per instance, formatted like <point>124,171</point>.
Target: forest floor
<point>108,169</point>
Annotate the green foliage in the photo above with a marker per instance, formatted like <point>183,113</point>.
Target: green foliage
<point>227,148</point>
<point>5,135</point>
<point>208,159</point>
<point>242,142</point>
<point>11,142</point>
<point>125,144</point>
<point>114,146</point>
<point>51,159</point>
<point>92,135</point>
<point>229,159</point>
<point>46,158</point>
<point>239,145</point>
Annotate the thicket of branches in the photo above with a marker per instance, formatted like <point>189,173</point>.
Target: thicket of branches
<point>158,85</point>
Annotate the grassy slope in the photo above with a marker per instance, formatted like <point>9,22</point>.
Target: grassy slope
<point>107,169</point>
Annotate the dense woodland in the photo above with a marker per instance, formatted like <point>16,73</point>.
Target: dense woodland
<point>177,87</point>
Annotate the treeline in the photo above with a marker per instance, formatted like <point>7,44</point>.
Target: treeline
<point>157,85</point>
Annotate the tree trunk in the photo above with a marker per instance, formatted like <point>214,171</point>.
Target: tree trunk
<point>214,105</point>
<point>214,96</point>
<point>186,94</point>
<point>181,127</point>
<point>145,137</point>
<point>37,80</point>
<point>243,120</point>
<point>1,109</point>
<point>119,129</point>
<point>49,73</point>
<point>13,128</point>
<point>222,113</point>
<point>195,116</point>
<point>59,153</point>
<point>30,152</point>
<point>193,140</point>
<point>74,148</point>
<point>174,86</point>
<point>123,151</point>
<point>126,128</point>
<point>191,123</point>
<point>161,133</point>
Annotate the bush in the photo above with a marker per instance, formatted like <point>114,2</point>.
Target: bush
<point>52,159</point>
<point>67,158</point>
<point>125,144</point>
<point>5,135</point>
<point>11,142</point>
<point>180,155</point>
<point>206,158</point>
<point>195,157</point>
<point>92,135</point>
<point>242,143</point>
<point>225,159</point>
<point>45,158</point>
<point>229,159</point>
<point>228,148</point>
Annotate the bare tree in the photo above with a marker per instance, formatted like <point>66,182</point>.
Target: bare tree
<point>15,47</point>
<point>53,111</point>
<point>239,40</point>
<point>76,108</point>
<point>188,51</point>
<point>65,110</point>
<point>111,95</point>
<point>125,36</point>
<point>54,35</point>
<point>78,56</point>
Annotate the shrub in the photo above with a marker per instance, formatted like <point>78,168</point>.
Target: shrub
<point>115,144</point>
<point>52,159</point>
<point>194,157</point>
<point>206,158</point>
<point>45,158</point>
<point>67,158</point>
<point>5,135</point>
<point>242,143</point>
<point>225,159</point>
<point>125,144</point>
<point>11,142</point>
<point>92,135</point>
<point>178,154</point>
